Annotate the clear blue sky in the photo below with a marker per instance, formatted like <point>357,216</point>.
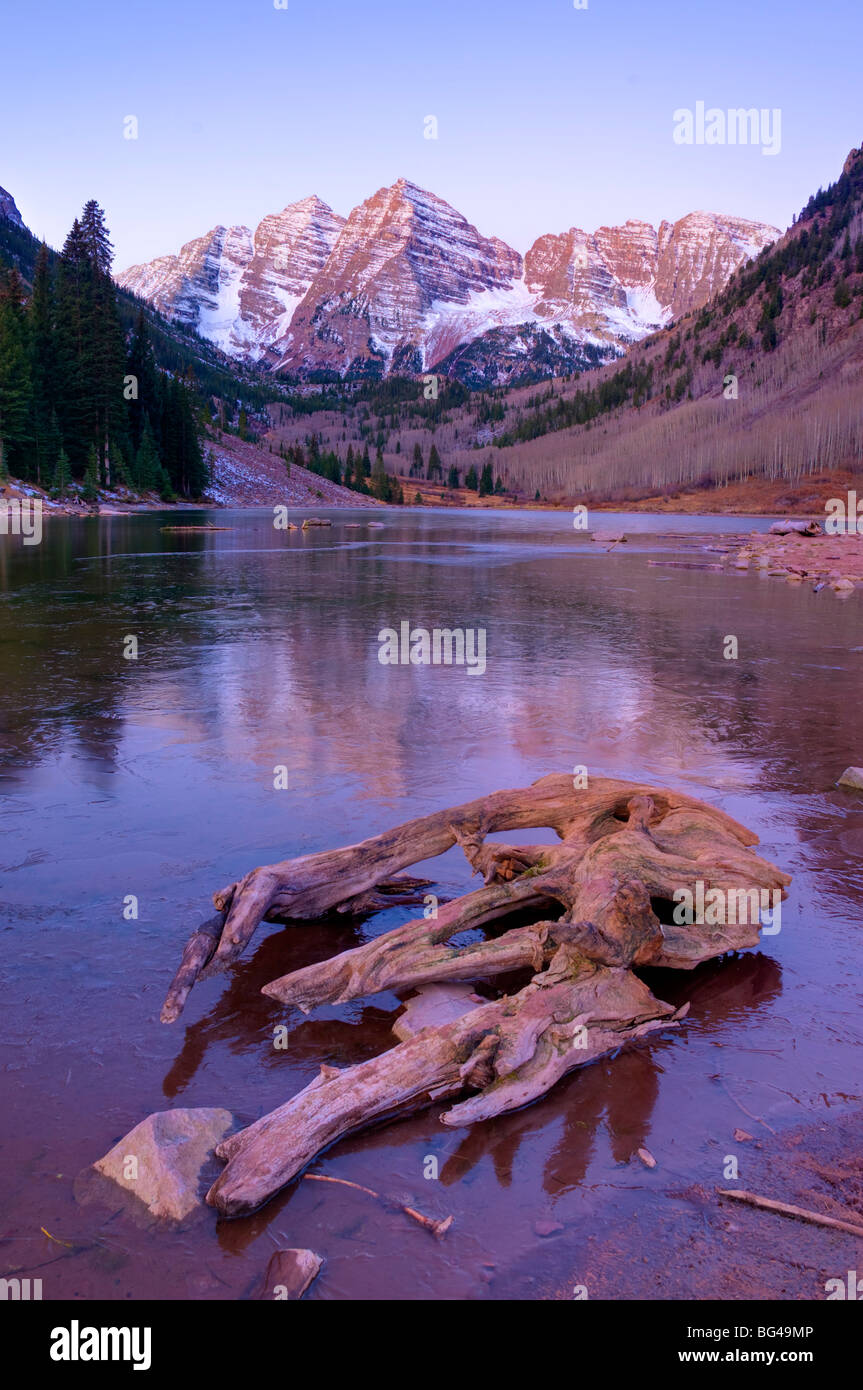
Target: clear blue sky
<point>548,116</point>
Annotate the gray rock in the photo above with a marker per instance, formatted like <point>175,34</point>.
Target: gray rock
<point>161,1160</point>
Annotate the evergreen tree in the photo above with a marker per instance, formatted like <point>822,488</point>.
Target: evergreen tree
<point>15,379</point>
<point>142,394</point>
<point>435,468</point>
<point>148,466</point>
<point>60,483</point>
<point>470,479</point>
<point>486,482</point>
<point>452,480</point>
<point>91,475</point>
<point>379,480</point>
<point>45,429</point>
<point>417,465</point>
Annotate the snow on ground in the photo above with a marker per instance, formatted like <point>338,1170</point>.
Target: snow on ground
<point>246,475</point>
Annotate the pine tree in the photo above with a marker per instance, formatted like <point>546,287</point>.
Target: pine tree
<point>435,468</point>
<point>60,482</point>
<point>91,475</point>
<point>417,465</point>
<point>15,380</point>
<point>452,480</point>
<point>379,480</point>
<point>486,482</point>
<point>44,368</point>
<point>148,466</point>
<point>143,397</point>
<point>470,479</point>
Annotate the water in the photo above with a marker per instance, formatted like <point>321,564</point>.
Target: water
<point>154,777</point>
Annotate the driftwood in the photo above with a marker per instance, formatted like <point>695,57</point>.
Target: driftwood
<point>589,910</point>
<point>815,1218</point>
<point>438,1227</point>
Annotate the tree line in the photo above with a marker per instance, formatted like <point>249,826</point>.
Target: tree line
<point>83,405</point>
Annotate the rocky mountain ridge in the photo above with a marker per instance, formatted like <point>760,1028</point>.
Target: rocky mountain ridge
<point>405,284</point>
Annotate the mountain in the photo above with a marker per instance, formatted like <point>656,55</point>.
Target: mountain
<point>757,393</point>
<point>8,210</point>
<point>406,284</point>
<point>239,290</point>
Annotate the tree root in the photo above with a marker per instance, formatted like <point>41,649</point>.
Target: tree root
<point>601,899</point>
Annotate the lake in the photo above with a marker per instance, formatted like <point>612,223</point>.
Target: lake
<point>154,777</point>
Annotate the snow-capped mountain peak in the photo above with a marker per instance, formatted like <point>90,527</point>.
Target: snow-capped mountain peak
<point>405,281</point>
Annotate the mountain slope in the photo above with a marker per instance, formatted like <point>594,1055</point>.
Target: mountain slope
<point>239,290</point>
<point>407,284</point>
<point>764,382</point>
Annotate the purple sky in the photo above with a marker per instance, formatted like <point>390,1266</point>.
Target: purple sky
<point>548,116</point>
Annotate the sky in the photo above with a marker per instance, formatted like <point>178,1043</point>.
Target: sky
<point>548,116</point>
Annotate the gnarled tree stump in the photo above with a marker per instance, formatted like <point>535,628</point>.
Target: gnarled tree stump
<point>602,902</point>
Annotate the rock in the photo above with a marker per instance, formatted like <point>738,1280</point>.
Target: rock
<point>801,528</point>
<point>852,777</point>
<point>741,1136</point>
<point>647,1158</point>
<point>161,1160</point>
<point>432,1006</point>
<point>289,1274</point>
<point>315,521</point>
<point>547,1228</point>
<point>842,586</point>
<point>606,536</point>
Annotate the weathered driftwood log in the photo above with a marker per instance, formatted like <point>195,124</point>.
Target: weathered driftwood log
<point>693,838</point>
<point>602,898</point>
<point>512,1049</point>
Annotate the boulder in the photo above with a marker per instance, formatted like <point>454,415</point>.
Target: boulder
<point>161,1160</point>
<point>852,777</point>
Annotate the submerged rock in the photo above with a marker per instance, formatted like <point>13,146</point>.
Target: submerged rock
<point>289,1274</point>
<point>432,1006</point>
<point>161,1161</point>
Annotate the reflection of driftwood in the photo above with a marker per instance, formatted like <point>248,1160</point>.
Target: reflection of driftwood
<point>511,1050</point>
<point>786,1209</point>
<point>600,901</point>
